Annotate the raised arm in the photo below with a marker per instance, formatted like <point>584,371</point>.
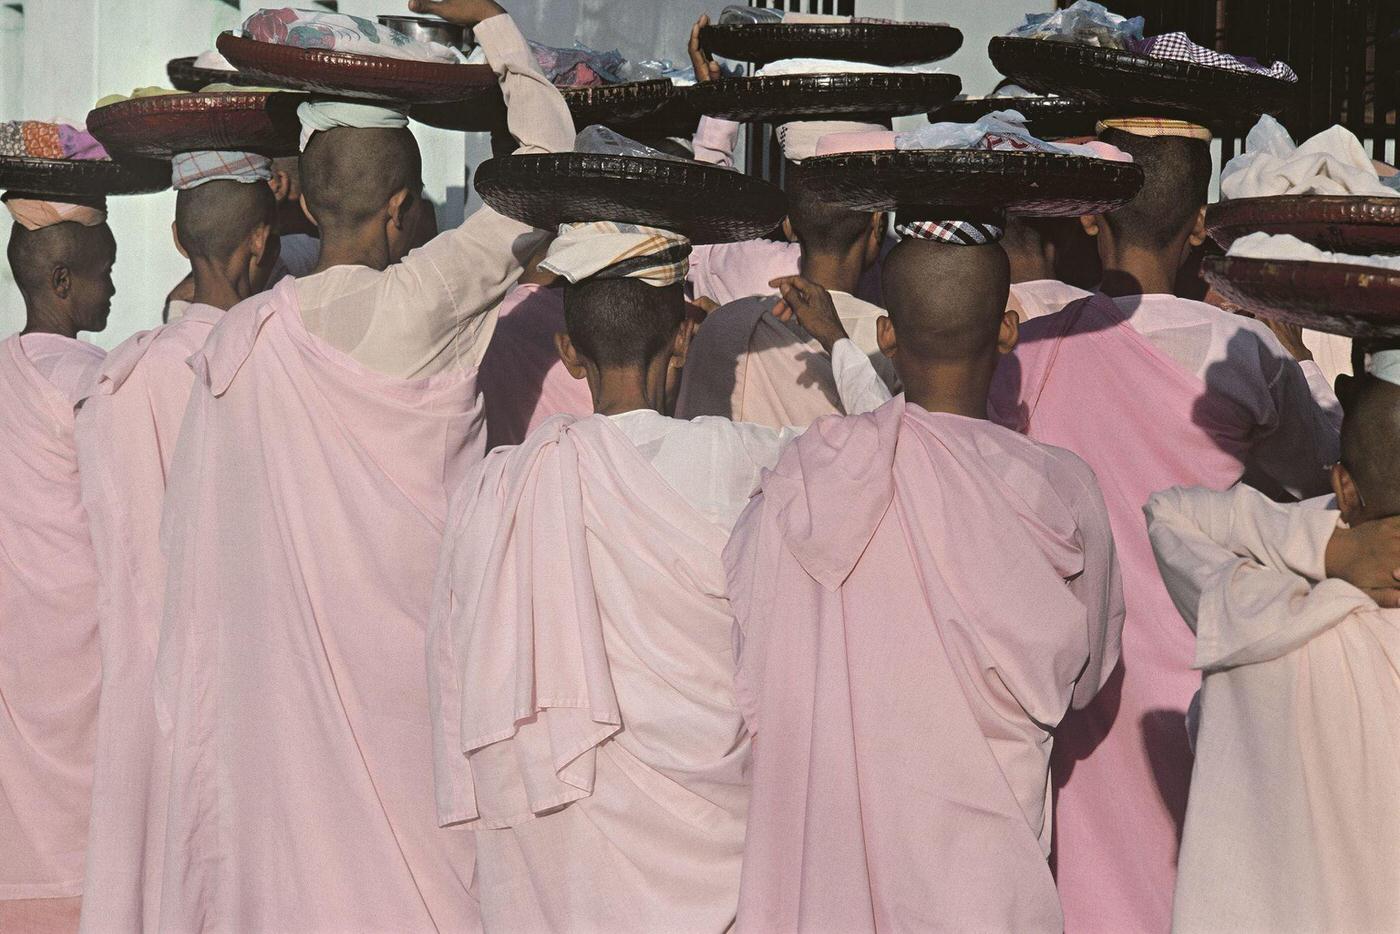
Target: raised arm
<point>446,288</point>
<point>858,386</point>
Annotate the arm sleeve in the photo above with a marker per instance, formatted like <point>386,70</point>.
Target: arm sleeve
<point>1306,439</point>
<point>1241,569</point>
<point>714,141</point>
<point>1100,589</point>
<point>859,387</point>
<point>1322,392</point>
<point>449,285</point>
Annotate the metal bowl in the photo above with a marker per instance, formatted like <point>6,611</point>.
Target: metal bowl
<point>429,29</point>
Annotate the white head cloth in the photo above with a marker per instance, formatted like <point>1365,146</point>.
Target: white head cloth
<point>327,115</point>
<point>615,251</point>
<point>799,138</point>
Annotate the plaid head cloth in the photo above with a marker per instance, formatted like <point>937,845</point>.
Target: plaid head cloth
<point>961,233</point>
<point>1178,46</point>
<point>616,251</point>
<point>192,169</point>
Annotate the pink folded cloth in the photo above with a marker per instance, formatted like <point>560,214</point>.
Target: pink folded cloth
<point>78,143</point>
<point>867,141</point>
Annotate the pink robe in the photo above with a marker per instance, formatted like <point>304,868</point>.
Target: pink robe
<point>907,643</point>
<point>1294,821</point>
<point>1085,380</point>
<point>1040,297</point>
<point>746,365</point>
<point>582,665</point>
<point>49,665</point>
<point>303,522</point>
<point>522,380</point>
<point>126,433</point>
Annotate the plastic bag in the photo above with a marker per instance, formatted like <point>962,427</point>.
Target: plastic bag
<point>1002,130</point>
<point>1084,22</point>
<point>601,141</point>
<point>742,15</point>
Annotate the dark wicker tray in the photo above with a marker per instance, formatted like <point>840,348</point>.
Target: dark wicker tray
<point>1122,83</point>
<point>251,121</point>
<point>184,76</point>
<point>782,98</point>
<point>613,104</point>
<point>947,180</point>
<point>703,202</point>
<point>875,43</point>
<point>56,178</point>
<point>1356,301</point>
<point>1342,224</point>
<point>345,74</point>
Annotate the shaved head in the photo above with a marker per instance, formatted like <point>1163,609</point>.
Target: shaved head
<point>1371,445</point>
<point>65,271</point>
<point>216,218</point>
<point>946,302</point>
<point>1176,187</point>
<point>349,174</point>
<point>820,226</point>
<point>621,323</point>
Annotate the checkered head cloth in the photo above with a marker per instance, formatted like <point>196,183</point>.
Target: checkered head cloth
<point>192,169</point>
<point>960,233</point>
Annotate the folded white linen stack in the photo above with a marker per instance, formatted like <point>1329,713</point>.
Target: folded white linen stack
<point>1289,247</point>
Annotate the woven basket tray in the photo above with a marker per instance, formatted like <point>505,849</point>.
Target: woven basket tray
<point>703,202</point>
<point>1341,224</point>
<point>1046,117</point>
<point>610,104</point>
<point>819,97</point>
<point>249,121</point>
<point>184,76</point>
<point>1355,301</point>
<point>947,180</point>
<point>874,43</point>
<point>1122,83</point>
<point>56,178</point>
<point>345,74</point>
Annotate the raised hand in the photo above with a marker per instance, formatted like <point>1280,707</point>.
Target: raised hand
<point>461,12</point>
<point>813,308</point>
<point>706,69</point>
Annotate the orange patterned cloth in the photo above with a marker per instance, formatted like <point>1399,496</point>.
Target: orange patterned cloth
<point>41,140</point>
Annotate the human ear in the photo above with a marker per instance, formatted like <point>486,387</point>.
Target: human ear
<point>61,281</point>
<point>307,211</point>
<point>399,204</point>
<point>884,336</point>
<point>1198,228</point>
<point>1010,332</point>
<point>175,235</point>
<point>788,233</point>
<point>568,354</point>
<point>1090,223</point>
<point>680,345</point>
<point>1348,497</point>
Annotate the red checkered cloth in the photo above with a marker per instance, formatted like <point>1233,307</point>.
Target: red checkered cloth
<point>961,233</point>
<point>192,169</point>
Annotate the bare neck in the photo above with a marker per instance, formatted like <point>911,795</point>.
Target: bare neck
<point>1134,271</point>
<point>44,319</point>
<point>953,387</point>
<point>365,246</point>
<point>218,285</point>
<point>833,273</point>
<point>617,390</point>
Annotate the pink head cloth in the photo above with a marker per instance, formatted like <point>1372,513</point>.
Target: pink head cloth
<point>33,214</point>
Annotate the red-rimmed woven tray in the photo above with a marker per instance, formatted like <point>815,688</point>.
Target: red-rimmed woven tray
<point>1356,301</point>
<point>250,121</point>
<point>608,104</point>
<point>345,74</point>
<point>703,202</point>
<point>56,178</point>
<point>184,76</point>
<point>1340,223</point>
<point>781,98</point>
<point>946,180</point>
<point>1123,83</point>
<point>875,43</point>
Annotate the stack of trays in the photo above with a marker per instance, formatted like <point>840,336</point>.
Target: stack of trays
<point>1340,298</point>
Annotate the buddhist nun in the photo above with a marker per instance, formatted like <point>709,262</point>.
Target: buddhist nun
<point>1294,819</point>
<point>1030,245</point>
<point>126,433</point>
<point>61,255</point>
<point>921,597</point>
<point>1152,391</point>
<point>747,365</point>
<point>304,515</point>
<point>580,643</point>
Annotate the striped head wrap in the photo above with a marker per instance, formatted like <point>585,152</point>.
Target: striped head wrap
<point>616,251</point>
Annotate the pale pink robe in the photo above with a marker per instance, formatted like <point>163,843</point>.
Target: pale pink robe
<point>126,431</point>
<point>522,379</point>
<point>746,365</point>
<point>1294,820</point>
<point>920,598</point>
<point>1086,380</point>
<point>1040,297</point>
<point>581,657</point>
<point>50,665</point>
<point>304,517</point>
